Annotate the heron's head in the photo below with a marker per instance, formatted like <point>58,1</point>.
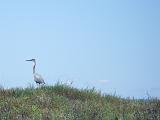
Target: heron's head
<point>33,60</point>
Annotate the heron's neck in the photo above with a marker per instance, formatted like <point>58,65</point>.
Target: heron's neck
<point>34,67</point>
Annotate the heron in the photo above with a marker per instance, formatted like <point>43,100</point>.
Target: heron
<point>37,77</point>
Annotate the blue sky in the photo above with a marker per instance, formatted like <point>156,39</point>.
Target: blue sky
<point>112,45</point>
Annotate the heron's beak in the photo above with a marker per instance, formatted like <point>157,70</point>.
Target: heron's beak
<point>28,60</point>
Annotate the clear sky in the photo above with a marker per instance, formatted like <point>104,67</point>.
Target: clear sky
<point>112,45</point>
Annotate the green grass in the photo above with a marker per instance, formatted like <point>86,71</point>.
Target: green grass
<point>62,102</point>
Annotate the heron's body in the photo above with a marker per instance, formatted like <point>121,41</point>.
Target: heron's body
<point>37,77</point>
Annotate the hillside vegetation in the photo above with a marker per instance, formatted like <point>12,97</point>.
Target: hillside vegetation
<point>62,102</point>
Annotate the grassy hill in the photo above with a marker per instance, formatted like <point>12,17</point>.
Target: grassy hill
<point>62,102</point>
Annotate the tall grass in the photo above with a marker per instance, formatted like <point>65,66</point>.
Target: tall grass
<point>62,102</point>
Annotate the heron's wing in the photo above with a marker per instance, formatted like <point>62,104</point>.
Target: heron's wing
<point>38,78</point>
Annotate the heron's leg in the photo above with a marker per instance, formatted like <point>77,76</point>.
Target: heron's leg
<point>37,84</point>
